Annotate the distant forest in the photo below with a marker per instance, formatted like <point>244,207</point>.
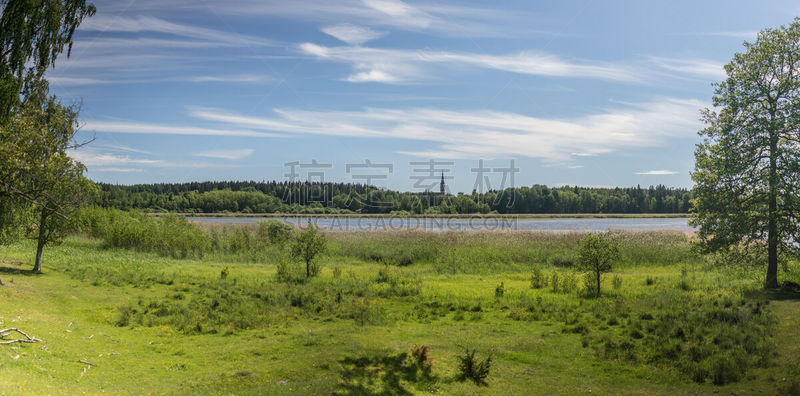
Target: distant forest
<point>307,197</point>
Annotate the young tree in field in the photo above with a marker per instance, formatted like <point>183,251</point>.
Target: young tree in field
<point>598,252</point>
<point>53,182</point>
<point>307,245</point>
<point>747,170</point>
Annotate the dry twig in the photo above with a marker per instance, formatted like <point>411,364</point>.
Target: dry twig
<point>28,339</point>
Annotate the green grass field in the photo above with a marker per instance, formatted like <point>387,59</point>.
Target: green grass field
<point>128,322</point>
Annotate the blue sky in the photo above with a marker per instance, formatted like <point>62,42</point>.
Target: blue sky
<point>593,93</point>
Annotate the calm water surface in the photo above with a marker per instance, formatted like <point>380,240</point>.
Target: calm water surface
<point>462,224</point>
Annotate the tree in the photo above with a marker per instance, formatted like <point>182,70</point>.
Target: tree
<point>308,245</point>
<point>32,35</point>
<point>747,169</point>
<point>51,181</point>
<point>598,252</point>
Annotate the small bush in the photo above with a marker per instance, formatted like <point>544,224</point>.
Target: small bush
<point>421,359</point>
<point>590,284</point>
<point>275,232</point>
<point>470,368</point>
<point>554,283</point>
<point>568,283</point>
<point>650,281</point>
<point>500,290</point>
<point>538,279</point>
<point>288,273</point>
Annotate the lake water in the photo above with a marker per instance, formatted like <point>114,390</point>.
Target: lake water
<point>438,224</point>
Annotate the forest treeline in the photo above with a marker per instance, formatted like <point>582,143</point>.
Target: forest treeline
<point>307,197</point>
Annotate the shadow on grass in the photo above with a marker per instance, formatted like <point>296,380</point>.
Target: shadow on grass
<point>17,271</point>
<point>775,294</point>
<point>381,375</point>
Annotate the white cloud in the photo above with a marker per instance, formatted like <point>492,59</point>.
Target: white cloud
<point>352,34</point>
<point>402,13</point>
<point>489,134</point>
<point>95,158</point>
<point>454,19</point>
<point>143,128</point>
<point>658,172</point>
<point>373,76</point>
<point>67,81</point>
<point>702,68</point>
<point>118,170</point>
<point>115,147</point>
<point>143,24</point>
<point>745,34</point>
<point>241,78</point>
<point>226,154</point>
<point>396,65</point>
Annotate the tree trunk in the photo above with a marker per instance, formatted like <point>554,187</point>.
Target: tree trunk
<point>37,266</point>
<point>598,283</point>
<point>308,268</point>
<point>772,219</point>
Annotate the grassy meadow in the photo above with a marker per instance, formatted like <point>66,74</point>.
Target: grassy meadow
<point>224,310</point>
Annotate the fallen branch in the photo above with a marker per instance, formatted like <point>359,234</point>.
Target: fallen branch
<point>85,362</point>
<point>28,339</point>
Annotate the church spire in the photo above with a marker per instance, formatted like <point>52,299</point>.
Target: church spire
<point>441,185</point>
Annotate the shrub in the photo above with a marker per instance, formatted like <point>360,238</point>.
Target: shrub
<point>500,290</point>
<point>568,282</point>
<point>554,281</point>
<point>589,284</point>
<point>170,235</point>
<point>538,280</point>
<point>366,313</point>
<point>470,368</point>
<point>650,281</point>
<point>421,359</point>
<point>287,273</point>
<point>275,232</point>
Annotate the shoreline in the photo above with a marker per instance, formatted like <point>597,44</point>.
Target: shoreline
<point>444,216</point>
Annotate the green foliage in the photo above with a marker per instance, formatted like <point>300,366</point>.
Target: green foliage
<point>170,235</point>
<point>554,282</point>
<point>275,231</point>
<point>307,245</point>
<point>33,35</point>
<point>598,252</point>
<point>500,290</point>
<point>569,283</point>
<point>746,169</point>
<point>538,280</point>
<point>36,171</point>
<point>471,368</point>
<point>266,197</point>
<point>590,284</point>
